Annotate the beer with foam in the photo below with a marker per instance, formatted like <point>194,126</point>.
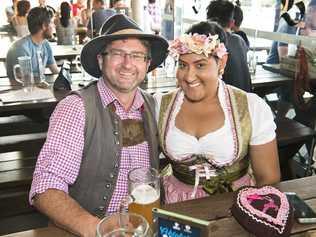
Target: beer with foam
<point>144,192</point>
<point>145,198</point>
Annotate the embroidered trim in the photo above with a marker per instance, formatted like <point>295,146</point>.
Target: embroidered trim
<point>283,213</point>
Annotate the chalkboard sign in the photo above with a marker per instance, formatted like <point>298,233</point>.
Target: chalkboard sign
<point>170,224</point>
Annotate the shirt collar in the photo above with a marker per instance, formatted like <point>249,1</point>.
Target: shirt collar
<point>108,97</point>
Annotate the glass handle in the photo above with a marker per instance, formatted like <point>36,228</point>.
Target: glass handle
<point>125,202</point>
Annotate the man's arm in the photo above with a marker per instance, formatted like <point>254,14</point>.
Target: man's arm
<point>66,212</point>
<point>53,68</point>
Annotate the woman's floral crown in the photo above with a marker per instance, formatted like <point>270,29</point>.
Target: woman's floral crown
<point>199,44</point>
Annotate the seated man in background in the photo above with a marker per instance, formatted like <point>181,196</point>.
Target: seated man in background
<point>99,16</point>
<point>35,45</point>
<point>236,71</point>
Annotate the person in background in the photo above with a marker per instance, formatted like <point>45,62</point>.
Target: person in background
<point>310,20</point>
<point>19,21</point>
<point>42,3</point>
<point>99,16</point>
<point>237,71</point>
<point>117,4</point>
<point>10,11</point>
<point>238,18</point>
<point>65,25</point>
<point>77,7</point>
<point>216,137</point>
<point>155,14</point>
<point>100,133</point>
<point>85,14</point>
<point>34,45</point>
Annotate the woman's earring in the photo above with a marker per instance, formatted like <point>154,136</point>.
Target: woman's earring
<point>221,71</point>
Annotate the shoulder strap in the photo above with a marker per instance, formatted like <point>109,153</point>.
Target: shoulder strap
<point>166,106</point>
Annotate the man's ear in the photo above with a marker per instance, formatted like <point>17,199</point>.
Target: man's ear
<point>100,61</point>
<point>148,64</point>
<point>231,23</point>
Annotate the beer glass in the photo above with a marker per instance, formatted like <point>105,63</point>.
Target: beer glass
<point>144,192</point>
<point>23,72</point>
<point>123,224</point>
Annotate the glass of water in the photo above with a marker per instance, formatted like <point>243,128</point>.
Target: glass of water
<point>123,224</point>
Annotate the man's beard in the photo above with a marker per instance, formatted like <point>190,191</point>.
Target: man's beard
<point>47,34</point>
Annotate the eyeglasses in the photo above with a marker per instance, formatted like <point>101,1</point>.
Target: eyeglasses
<point>119,55</point>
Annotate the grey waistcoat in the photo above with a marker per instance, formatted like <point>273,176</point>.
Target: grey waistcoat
<point>100,164</point>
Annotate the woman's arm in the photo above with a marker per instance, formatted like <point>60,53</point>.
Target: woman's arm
<point>265,163</point>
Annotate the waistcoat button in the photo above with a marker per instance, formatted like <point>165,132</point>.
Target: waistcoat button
<point>108,185</point>
<point>105,198</point>
<point>115,132</point>
<point>101,208</point>
<point>111,176</point>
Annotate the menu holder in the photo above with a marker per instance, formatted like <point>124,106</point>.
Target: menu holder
<point>170,224</point>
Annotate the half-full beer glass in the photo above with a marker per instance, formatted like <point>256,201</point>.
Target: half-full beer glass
<point>144,192</point>
<point>123,225</point>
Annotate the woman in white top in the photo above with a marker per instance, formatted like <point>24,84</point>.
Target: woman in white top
<point>65,25</point>
<point>19,20</point>
<point>216,137</point>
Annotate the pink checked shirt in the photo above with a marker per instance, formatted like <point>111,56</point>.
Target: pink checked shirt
<point>59,161</point>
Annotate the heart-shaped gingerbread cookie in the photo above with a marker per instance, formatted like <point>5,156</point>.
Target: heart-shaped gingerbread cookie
<point>263,211</point>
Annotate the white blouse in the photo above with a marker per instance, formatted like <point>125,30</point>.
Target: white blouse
<point>219,143</point>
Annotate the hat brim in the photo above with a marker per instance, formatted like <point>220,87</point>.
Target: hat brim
<point>88,57</point>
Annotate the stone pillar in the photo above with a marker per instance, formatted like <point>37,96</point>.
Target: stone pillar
<point>138,11</point>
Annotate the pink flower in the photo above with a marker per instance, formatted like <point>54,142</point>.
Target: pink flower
<point>221,50</point>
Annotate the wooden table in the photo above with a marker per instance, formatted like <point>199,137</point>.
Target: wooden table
<point>59,51</point>
<point>215,209</point>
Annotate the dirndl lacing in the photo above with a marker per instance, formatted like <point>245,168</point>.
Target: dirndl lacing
<point>201,171</point>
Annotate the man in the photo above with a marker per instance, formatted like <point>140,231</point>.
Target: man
<point>236,71</point>
<point>99,16</point>
<point>35,45</point>
<point>97,135</point>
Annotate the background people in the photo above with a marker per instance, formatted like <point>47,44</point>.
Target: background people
<point>65,25</point>
<point>19,20</point>
<point>97,135</point>
<point>35,45</point>
<point>216,137</point>
<point>238,18</point>
<point>237,71</point>
<point>100,14</point>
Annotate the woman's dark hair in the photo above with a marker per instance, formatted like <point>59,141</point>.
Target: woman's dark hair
<point>208,27</point>
<point>65,10</point>
<point>221,11</point>
<point>238,16</point>
<point>38,16</point>
<point>22,7</point>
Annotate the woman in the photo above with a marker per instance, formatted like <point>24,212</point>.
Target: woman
<point>216,137</point>
<point>19,21</point>
<point>85,14</point>
<point>65,25</point>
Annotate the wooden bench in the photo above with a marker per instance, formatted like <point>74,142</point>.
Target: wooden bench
<point>20,142</point>
<point>291,135</point>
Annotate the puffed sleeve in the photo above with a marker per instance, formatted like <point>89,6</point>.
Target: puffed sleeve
<point>262,120</point>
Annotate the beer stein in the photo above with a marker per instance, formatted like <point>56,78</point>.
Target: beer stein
<point>123,224</point>
<point>23,72</point>
<point>143,192</point>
